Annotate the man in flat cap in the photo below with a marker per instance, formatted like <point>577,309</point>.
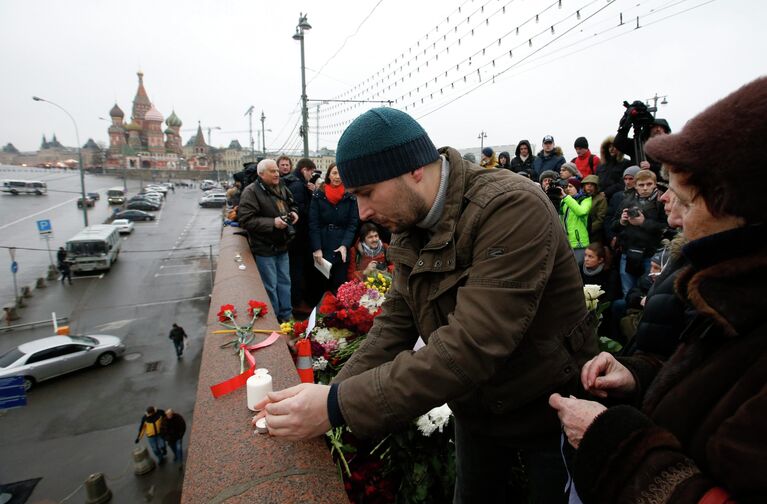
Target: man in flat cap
<point>485,275</point>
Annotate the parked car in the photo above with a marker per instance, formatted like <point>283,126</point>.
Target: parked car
<point>134,215</point>
<point>143,197</point>
<point>213,200</point>
<point>89,202</point>
<point>124,226</point>
<point>143,205</point>
<point>46,358</point>
<point>157,188</point>
<point>94,196</point>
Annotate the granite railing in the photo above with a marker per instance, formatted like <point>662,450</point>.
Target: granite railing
<point>227,461</point>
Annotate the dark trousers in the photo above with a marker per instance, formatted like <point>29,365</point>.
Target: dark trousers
<point>484,466</point>
<point>179,344</point>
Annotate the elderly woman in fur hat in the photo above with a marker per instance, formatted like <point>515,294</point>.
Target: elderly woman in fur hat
<point>696,430</point>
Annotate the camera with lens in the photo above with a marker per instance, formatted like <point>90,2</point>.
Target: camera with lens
<point>637,115</point>
<point>553,190</point>
<point>290,231</point>
<point>633,212</point>
<point>316,174</point>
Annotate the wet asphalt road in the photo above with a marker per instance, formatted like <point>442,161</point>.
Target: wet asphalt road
<point>86,422</point>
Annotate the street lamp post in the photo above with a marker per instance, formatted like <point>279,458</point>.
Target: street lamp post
<point>263,132</point>
<point>302,26</point>
<point>79,155</point>
<point>249,113</point>
<point>481,137</point>
<point>664,101</point>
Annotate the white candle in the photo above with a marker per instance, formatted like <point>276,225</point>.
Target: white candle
<point>258,386</point>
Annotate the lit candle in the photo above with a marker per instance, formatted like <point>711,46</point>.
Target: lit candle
<point>258,386</point>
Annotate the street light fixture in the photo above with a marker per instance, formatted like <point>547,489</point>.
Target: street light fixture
<point>481,137</point>
<point>79,154</point>
<point>302,26</point>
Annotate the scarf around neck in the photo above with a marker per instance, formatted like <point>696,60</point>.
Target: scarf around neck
<point>372,252</point>
<point>334,194</point>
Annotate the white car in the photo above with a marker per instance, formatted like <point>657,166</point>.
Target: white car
<point>213,201</point>
<point>124,226</point>
<point>158,188</point>
<point>46,358</point>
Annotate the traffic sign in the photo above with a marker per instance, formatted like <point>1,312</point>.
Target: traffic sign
<point>14,267</point>
<point>44,226</point>
<point>12,394</point>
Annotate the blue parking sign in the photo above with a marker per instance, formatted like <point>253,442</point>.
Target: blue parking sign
<point>12,394</point>
<point>44,226</point>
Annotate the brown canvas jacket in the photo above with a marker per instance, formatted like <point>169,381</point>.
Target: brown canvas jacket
<point>497,297</point>
<point>258,208</point>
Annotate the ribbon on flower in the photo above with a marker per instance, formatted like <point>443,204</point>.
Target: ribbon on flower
<point>232,384</point>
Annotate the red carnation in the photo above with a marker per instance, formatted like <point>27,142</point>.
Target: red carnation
<point>257,308</point>
<point>226,312</point>
<point>300,327</point>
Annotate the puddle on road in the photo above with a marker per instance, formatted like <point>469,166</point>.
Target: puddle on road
<point>132,356</point>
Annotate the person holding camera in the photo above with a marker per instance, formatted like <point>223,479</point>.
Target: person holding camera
<point>575,207</point>
<point>333,221</point>
<point>302,184</point>
<point>269,213</point>
<point>639,228</point>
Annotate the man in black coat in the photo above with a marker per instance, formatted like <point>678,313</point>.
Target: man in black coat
<point>301,184</point>
<point>178,335</point>
<point>268,213</point>
<point>172,431</point>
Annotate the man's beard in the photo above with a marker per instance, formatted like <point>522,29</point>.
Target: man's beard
<point>413,210</point>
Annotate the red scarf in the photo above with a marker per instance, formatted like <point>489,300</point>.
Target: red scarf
<point>334,194</point>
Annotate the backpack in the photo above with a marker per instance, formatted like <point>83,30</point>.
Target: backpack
<point>591,163</point>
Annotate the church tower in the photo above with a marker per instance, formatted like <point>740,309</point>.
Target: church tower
<point>173,133</point>
<point>153,131</point>
<point>116,131</point>
<point>141,103</point>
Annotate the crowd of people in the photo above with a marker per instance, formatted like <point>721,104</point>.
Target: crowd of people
<point>299,221</point>
<point>489,267</point>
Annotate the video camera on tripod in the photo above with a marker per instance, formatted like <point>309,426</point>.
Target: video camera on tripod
<point>639,117</point>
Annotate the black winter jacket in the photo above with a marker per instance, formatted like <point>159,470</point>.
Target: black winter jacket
<point>331,226</point>
<point>259,206</point>
<point>524,166</point>
<point>647,236</point>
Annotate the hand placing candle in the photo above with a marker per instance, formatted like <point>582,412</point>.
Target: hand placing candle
<point>258,386</point>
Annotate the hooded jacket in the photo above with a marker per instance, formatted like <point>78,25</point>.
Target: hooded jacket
<point>524,166</point>
<point>610,170</point>
<point>698,424</point>
<point>259,206</point>
<point>496,355</point>
<point>575,217</point>
<point>598,212</point>
<point>552,161</point>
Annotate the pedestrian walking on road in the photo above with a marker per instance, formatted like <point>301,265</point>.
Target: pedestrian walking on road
<point>172,431</point>
<point>66,272</point>
<point>177,334</point>
<point>61,256</point>
<point>150,426</point>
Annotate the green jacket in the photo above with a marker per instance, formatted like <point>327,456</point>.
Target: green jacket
<point>496,295</point>
<point>575,217</point>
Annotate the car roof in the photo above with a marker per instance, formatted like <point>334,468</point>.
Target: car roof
<point>43,343</point>
<point>121,221</point>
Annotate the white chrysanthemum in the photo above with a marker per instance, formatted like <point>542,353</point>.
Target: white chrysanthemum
<point>322,335</point>
<point>592,292</point>
<point>319,363</point>
<point>435,419</point>
<point>372,300</point>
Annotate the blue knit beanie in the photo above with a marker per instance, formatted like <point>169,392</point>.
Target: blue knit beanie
<point>382,144</point>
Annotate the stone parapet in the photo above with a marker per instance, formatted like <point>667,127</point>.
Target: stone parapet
<point>227,461</point>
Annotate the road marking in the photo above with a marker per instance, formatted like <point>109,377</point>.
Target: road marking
<point>83,277</point>
<point>110,326</point>
<point>44,211</point>
<point>182,273</point>
<point>154,303</point>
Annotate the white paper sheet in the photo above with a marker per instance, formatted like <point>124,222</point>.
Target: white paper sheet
<point>324,267</point>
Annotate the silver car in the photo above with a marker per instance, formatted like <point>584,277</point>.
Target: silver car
<point>46,358</point>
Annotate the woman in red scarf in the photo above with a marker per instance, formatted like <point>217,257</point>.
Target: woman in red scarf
<point>333,220</point>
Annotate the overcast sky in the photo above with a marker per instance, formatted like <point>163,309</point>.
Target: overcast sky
<point>210,61</point>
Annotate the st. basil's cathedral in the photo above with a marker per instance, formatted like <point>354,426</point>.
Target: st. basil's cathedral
<point>140,143</point>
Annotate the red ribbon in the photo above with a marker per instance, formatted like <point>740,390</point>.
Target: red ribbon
<point>232,384</point>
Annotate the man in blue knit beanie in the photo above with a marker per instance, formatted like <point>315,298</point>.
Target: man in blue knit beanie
<point>481,264</point>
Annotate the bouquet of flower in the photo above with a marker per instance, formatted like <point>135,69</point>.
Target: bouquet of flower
<point>243,334</point>
<point>592,292</point>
